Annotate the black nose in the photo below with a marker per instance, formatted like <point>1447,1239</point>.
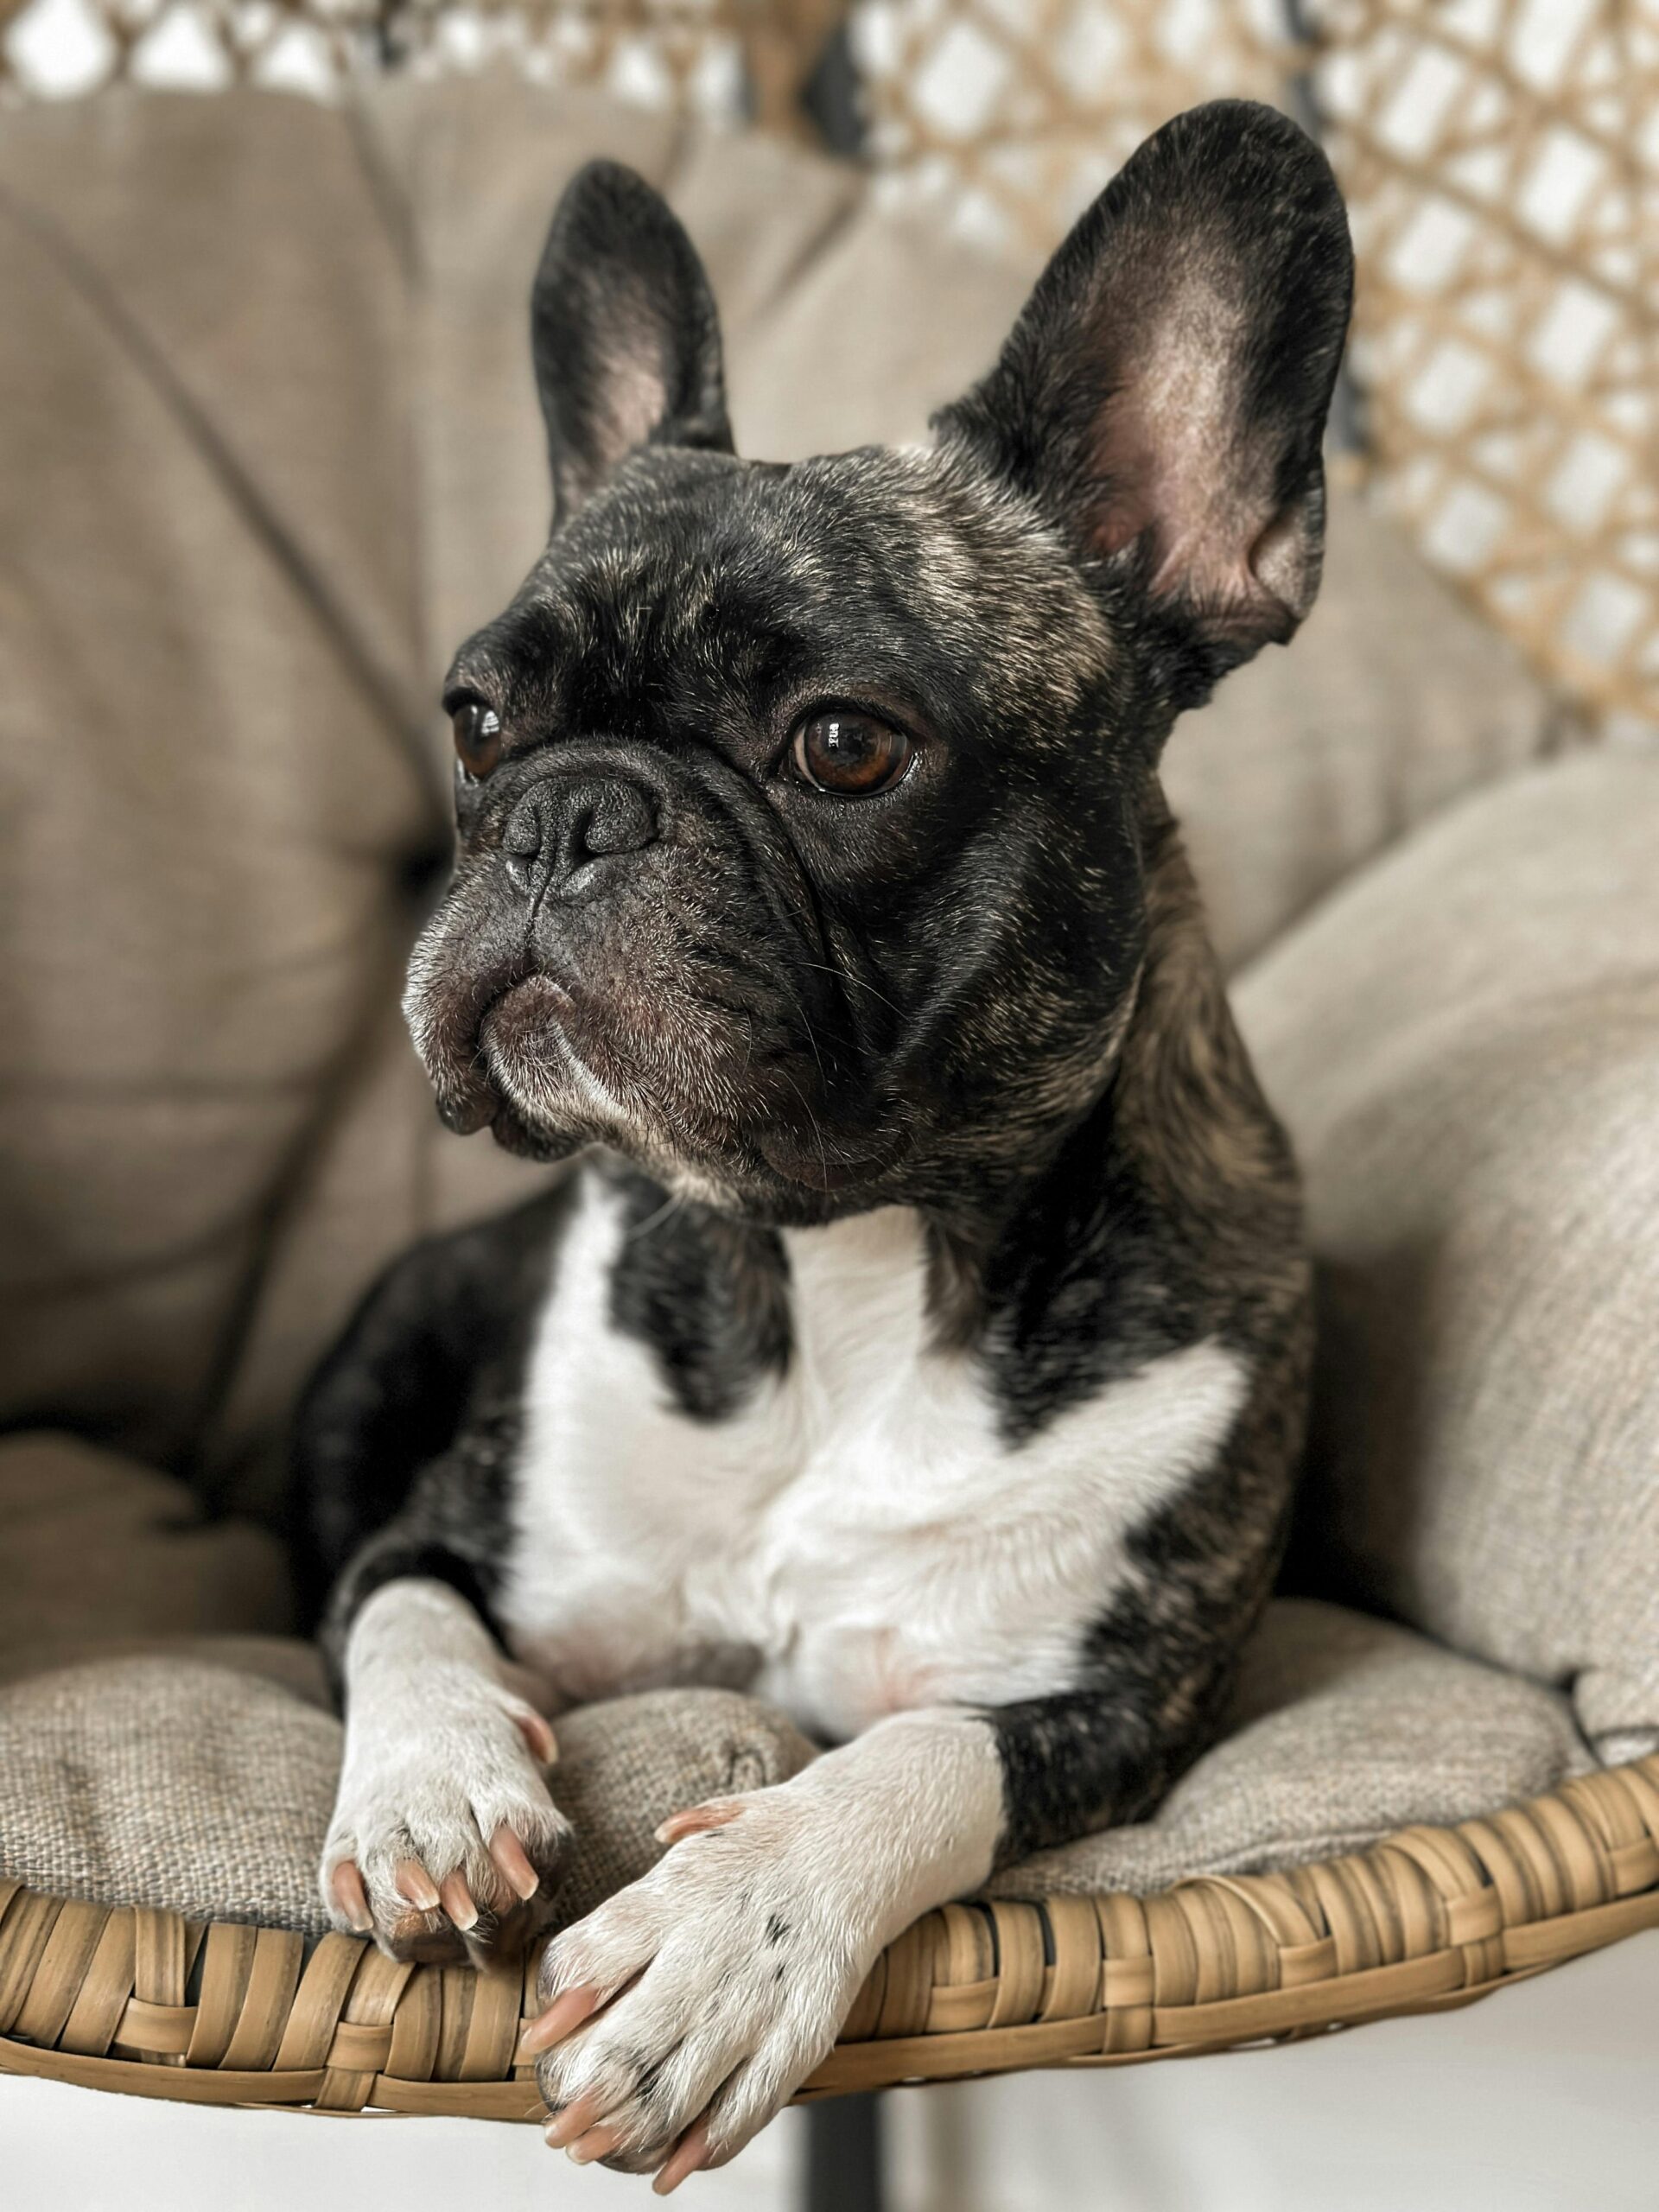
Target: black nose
<point>560,829</point>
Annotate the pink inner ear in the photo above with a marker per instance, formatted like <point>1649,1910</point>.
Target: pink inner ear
<point>634,402</point>
<point>631,372</point>
<point>1178,471</point>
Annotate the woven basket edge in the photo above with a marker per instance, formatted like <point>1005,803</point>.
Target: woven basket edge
<point>1428,1919</point>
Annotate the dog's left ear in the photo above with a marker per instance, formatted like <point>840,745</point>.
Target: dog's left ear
<point>624,333</point>
<point>1163,394</point>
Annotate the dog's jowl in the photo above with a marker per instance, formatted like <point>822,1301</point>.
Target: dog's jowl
<point>922,1341</point>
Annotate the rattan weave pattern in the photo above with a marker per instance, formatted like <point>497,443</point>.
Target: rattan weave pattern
<point>144,2002</point>
<point>1502,176</point>
<point>1501,165</point>
<point>721,59</point>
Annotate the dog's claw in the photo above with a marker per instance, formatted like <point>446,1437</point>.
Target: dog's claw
<point>416,1886</point>
<point>539,1739</point>
<point>597,2142</point>
<point>688,2156</point>
<point>573,2122</point>
<point>513,1863</point>
<point>692,1820</point>
<point>457,1901</point>
<point>563,2017</point>
<point>352,1897</point>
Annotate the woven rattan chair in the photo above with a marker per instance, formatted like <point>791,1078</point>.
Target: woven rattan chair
<point>154,2004</point>
<point>1433,1918</point>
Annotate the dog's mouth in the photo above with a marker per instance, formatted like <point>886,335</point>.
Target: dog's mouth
<point>521,1047</point>
<point>830,1163</point>
<point>552,1067</point>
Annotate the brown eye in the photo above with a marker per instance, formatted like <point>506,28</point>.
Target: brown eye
<point>477,736</point>
<point>850,752</point>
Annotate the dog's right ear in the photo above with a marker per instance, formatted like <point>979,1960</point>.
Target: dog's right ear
<point>1162,397</point>
<point>624,333</point>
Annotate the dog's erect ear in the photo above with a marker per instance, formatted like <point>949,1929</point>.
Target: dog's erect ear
<point>624,333</point>
<point>1163,394</point>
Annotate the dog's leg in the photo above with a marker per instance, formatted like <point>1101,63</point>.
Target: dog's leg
<point>444,1835</point>
<point>725,1972</point>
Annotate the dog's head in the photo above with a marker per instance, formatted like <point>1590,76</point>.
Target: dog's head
<point>800,807</point>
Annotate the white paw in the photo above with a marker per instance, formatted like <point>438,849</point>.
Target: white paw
<point>445,1840</point>
<point>736,1968</point>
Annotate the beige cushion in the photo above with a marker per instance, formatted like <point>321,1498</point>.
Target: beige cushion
<point>1344,1729</point>
<point>199,798</point>
<point>1391,701</point>
<point>149,1755</point>
<point>100,1549</point>
<point>213,779</point>
<point>186,1783</point>
<point>204,1782</point>
<point>1465,1043</point>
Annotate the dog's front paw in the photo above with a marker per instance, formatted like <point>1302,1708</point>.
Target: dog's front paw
<point>445,1842</point>
<point>734,1967</point>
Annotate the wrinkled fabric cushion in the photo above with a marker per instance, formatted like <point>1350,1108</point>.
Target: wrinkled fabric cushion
<point>204,1782</point>
<point>149,1757</point>
<point>1391,701</point>
<point>1465,1043</point>
<point>178,1783</point>
<point>98,1548</point>
<point>168,1781</point>
<point>214,782</point>
<point>200,464</point>
<point>1344,1729</point>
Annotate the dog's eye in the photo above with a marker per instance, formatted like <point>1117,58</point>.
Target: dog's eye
<point>477,736</point>
<point>850,752</point>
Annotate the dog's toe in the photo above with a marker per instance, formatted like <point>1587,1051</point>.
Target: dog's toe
<point>439,1868</point>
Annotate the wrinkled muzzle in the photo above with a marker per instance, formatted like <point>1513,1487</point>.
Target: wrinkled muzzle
<point>627,957</point>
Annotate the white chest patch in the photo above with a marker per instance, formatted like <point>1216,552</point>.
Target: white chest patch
<point>859,1539</point>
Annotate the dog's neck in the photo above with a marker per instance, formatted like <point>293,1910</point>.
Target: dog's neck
<point>1177,1135</point>
<point>1176,1127</point>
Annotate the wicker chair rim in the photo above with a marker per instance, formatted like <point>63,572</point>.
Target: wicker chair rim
<point>133,1998</point>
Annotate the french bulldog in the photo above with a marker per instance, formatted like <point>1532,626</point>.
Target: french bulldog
<point>922,1342</point>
